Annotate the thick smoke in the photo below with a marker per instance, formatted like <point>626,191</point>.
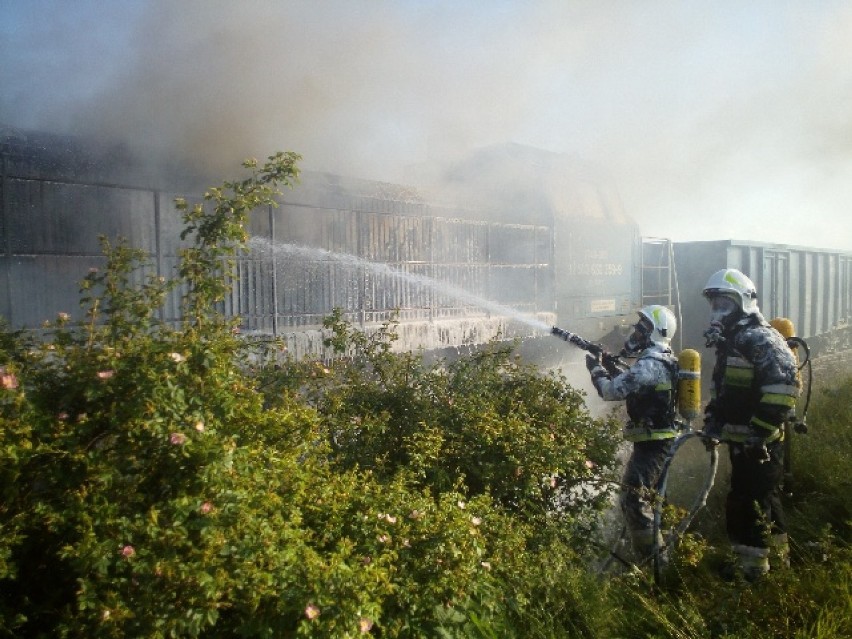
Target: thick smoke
<point>712,121</point>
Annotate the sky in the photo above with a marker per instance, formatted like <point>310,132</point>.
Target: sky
<point>711,120</point>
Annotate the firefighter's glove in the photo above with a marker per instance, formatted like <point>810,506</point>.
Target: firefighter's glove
<point>711,433</point>
<point>710,443</point>
<point>755,449</point>
<point>612,365</point>
<point>597,371</point>
<point>713,335</point>
<point>593,362</point>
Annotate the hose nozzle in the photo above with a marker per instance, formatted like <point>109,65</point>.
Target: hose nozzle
<point>560,333</point>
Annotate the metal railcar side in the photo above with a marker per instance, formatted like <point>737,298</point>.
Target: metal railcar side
<point>810,286</point>
<point>57,196</point>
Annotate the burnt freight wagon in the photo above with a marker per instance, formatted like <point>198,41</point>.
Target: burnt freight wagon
<point>598,252</point>
<point>378,252</point>
<point>455,271</point>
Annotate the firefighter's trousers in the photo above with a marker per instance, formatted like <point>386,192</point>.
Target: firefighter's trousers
<point>754,514</point>
<point>637,494</point>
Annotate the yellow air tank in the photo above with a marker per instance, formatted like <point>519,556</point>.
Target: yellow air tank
<point>783,326</point>
<point>787,330</point>
<point>689,384</point>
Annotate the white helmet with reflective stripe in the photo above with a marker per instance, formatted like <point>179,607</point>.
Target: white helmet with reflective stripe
<point>663,321</point>
<point>656,325</point>
<point>732,283</point>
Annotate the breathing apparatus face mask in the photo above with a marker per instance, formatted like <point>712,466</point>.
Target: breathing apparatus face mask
<point>724,312</point>
<point>638,339</point>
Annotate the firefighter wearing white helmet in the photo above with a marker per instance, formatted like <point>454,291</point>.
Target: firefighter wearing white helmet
<point>648,387</point>
<point>754,391</point>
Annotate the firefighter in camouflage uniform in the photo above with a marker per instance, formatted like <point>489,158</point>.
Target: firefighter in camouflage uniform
<point>648,386</point>
<point>754,390</point>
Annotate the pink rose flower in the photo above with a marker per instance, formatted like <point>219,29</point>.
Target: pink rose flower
<point>128,551</point>
<point>177,439</point>
<point>312,612</point>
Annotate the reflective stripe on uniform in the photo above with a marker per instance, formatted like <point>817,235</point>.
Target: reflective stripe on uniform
<point>781,389</point>
<point>756,421</point>
<point>741,432</point>
<point>739,371</point>
<point>739,377</point>
<point>777,399</point>
<point>779,395</point>
<point>643,434</point>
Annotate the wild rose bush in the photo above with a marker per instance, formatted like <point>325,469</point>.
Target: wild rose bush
<point>487,423</point>
<point>152,489</point>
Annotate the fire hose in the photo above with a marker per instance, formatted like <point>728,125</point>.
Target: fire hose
<point>670,541</point>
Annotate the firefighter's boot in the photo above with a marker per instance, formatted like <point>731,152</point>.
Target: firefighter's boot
<point>753,561</point>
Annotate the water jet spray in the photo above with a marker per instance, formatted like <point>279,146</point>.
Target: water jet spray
<point>312,253</point>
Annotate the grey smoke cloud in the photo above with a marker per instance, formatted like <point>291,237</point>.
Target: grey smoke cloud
<point>712,120</point>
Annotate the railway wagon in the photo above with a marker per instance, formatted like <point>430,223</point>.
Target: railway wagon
<point>597,248</point>
<point>380,250</point>
<point>811,287</point>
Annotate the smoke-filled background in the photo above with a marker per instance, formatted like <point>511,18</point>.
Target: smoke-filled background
<point>713,120</point>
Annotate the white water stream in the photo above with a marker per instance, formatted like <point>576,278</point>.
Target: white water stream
<point>317,254</point>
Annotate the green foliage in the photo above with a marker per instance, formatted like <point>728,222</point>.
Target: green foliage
<point>484,429</point>
<point>487,422</point>
<point>131,457</point>
<point>207,268</point>
<point>822,486</point>
<point>811,599</point>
